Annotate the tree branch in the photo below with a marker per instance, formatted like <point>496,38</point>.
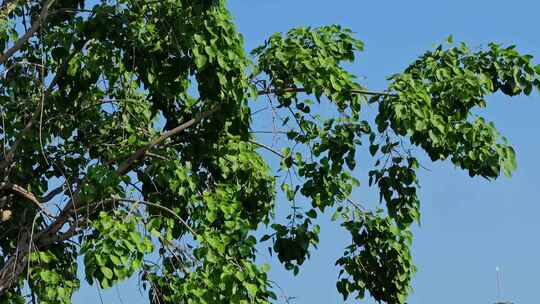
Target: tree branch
<point>139,154</point>
<point>35,26</point>
<point>303,90</point>
<point>49,196</point>
<point>126,166</point>
<point>15,265</point>
<point>25,194</point>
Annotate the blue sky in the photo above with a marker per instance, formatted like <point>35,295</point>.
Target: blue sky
<point>469,226</point>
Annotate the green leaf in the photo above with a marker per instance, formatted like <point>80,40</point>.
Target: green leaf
<point>312,213</point>
<point>106,272</point>
<point>251,288</point>
<point>265,267</point>
<point>373,149</point>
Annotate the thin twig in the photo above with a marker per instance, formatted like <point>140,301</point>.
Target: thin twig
<point>158,156</point>
<point>268,132</point>
<point>267,148</point>
<point>135,201</point>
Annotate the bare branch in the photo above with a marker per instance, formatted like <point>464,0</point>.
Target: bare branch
<point>25,194</point>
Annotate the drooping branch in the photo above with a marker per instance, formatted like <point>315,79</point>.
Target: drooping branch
<point>274,151</point>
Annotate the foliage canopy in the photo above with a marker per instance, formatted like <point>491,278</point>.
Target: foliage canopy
<point>127,140</point>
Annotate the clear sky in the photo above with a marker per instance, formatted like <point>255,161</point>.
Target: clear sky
<point>469,226</point>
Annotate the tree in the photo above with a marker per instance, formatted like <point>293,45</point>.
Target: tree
<point>127,140</point>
